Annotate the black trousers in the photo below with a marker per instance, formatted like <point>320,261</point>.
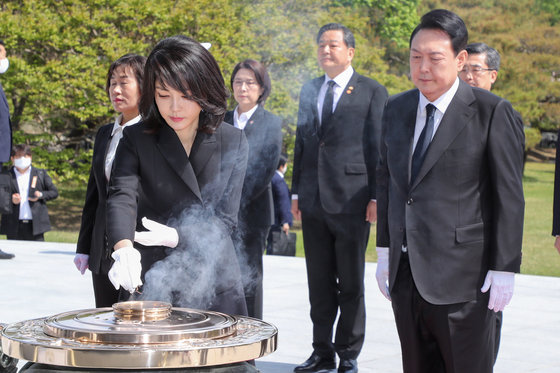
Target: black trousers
<point>25,232</point>
<point>335,246</point>
<point>453,338</point>
<point>104,291</point>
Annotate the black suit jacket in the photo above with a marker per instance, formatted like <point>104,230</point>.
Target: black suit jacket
<point>198,195</point>
<point>40,215</point>
<point>5,128</point>
<point>92,237</point>
<point>463,215</point>
<point>338,163</point>
<point>264,136</point>
<point>282,201</point>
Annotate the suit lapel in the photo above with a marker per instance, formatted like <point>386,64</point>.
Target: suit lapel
<point>205,145</point>
<point>456,117</point>
<point>171,149</point>
<point>253,124</point>
<point>403,137</point>
<point>316,84</point>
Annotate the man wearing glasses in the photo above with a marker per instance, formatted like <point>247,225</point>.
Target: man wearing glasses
<point>481,70</point>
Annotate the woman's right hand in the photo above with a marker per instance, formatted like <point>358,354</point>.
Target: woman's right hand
<point>126,269</point>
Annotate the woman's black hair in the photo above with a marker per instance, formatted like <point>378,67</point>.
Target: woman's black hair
<point>183,64</point>
<point>136,64</point>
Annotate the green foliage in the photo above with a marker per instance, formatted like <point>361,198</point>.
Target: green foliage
<point>551,8</point>
<point>60,51</point>
<point>532,137</point>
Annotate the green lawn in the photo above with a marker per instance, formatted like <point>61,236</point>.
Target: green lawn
<point>539,255</point>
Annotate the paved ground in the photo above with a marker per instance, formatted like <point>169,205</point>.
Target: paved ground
<point>42,281</point>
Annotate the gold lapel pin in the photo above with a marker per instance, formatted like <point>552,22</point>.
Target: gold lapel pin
<point>349,89</point>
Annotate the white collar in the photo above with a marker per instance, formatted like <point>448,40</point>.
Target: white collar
<point>118,120</point>
<point>343,78</point>
<point>443,101</point>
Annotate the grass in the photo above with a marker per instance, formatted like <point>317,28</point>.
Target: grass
<point>539,255</point>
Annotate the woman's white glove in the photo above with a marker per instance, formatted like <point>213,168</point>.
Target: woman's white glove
<point>82,262</point>
<point>157,234</point>
<point>501,289</point>
<point>382,272</point>
<point>126,269</point>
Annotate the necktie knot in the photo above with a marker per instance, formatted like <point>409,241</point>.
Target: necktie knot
<point>430,110</point>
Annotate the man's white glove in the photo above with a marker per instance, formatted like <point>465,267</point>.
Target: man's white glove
<point>501,289</point>
<point>382,272</point>
<point>126,269</point>
<point>81,261</point>
<point>157,234</point>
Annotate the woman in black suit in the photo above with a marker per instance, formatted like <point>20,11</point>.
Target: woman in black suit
<point>124,81</point>
<point>251,86</point>
<point>177,182</point>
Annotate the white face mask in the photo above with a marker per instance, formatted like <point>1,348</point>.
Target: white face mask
<point>22,163</point>
<point>4,64</point>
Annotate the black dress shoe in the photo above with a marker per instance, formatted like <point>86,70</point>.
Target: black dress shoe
<point>4,255</point>
<point>316,363</point>
<point>348,366</point>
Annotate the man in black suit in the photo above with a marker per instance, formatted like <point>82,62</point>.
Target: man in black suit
<point>282,207</point>
<point>333,190</point>
<point>556,206</point>
<point>32,188</point>
<point>5,144</point>
<point>481,70</point>
<point>450,206</point>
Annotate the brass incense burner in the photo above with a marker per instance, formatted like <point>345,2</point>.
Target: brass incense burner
<point>139,335</point>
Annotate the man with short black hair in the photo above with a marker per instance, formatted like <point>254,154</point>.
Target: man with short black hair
<point>450,206</point>
<point>333,188</point>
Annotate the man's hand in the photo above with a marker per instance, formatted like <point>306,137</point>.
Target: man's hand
<point>157,234</point>
<point>286,228</point>
<point>557,244</point>
<point>382,272</point>
<point>36,197</point>
<point>82,262</point>
<point>126,269</point>
<point>371,212</point>
<point>295,210</point>
<point>501,289</point>
<point>16,198</point>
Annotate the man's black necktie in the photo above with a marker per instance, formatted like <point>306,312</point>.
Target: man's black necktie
<point>327,104</point>
<point>423,142</point>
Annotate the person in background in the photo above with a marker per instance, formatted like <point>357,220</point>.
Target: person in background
<point>481,70</point>
<point>251,87</point>
<point>333,186</point>
<point>31,189</point>
<point>450,206</point>
<point>176,186</point>
<point>5,143</point>
<point>123,87</point>
<point>281,196</point>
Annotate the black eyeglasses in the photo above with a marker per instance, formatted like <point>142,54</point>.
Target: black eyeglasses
<point>475,70</point>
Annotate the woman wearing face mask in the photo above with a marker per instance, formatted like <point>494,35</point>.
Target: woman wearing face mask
<point>251,87</point>
<point>31,189</point>
<point>123,87</point>
<point>177,182</point>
